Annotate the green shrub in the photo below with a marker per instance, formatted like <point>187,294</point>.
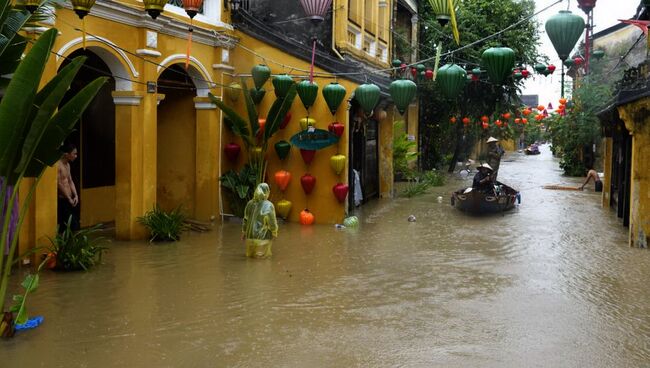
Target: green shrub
<point>164,226</point>
<point>240,187</point>
<point>77,250</point>
<point>422,182</point>
<point>403,152</point>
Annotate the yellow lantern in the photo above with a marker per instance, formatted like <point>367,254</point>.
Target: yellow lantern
<point>154,7</point>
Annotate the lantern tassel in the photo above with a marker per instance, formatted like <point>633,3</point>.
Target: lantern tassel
<point>313,58</point>
<point>454,24</point>
<point>83,32</point>
<point>189,45</point>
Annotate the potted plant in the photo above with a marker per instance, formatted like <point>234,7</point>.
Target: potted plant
<point>164,226</point>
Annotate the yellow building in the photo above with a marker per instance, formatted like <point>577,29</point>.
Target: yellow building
<point>152,135</point>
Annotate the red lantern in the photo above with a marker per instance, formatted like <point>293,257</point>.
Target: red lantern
<point>191,8</point>
<point>414,72</point>
<point>540,108</point>
<point>260,131</point>
<point>563,101</point>
<point>231,150</point>
<point>525,73</point>
<point>285,122</point>
<point>506,115</point>
<point>308,182</point>
<point>578,61</point>
<point>517,120</point>
<point>466,120</point>
<point>498,123</point>
<point>307,155</point>
<point>452,120</point>
<point>336,128</point>
<point>524,121</point>
<point>485,125</point>
<point>539,117</point>
<point>475,78</point>
<point>306,217</point>
<point>485,119</point>
<point>526,112</point>
<point>586,5</point>
<point>551,68</point>
<point>403,67</point>
<point>340,191</point>
<point>282,179</point>
<point>428,74</point>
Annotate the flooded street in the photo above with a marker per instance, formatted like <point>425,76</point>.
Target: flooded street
<point>551,283</point>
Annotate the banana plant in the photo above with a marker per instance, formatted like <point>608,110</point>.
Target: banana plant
<point>33,126</point>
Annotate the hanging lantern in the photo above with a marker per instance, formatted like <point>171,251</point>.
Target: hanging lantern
<point>586,5</point>
<point>540,108</point>
<point>524,121</point>
<point>261,74</point>
<point>517,121</point>
<point>282,208</point>
<point>282,179</point>
<point>485,125</point>
<point>307,155</point>
<point>452,120</point>
<point>286,120</point>
<point>551,68</point>
<point>231,150</point>
<point>518,75</point>
<point>564,29</point>
<point>191,8</point>
<point>367,95</point>
<point>598,54</point>
<point>82,7</point>
<point>466,120</point>
<point>539,68</point>
<point>414,72</point>
<point>154,7</point>
<point>336,128</point>
<point>568,63</point>
<point>402,91</point>
<point>316,9</point>
<point>562,101</point>
<point>340,191</point>
<point>485,119</point>
<point>442,10</point>
<point>396,63</point>
<point>308,182</point>
<point>282,149</point>
<point>525,73</point>
<point>526,111</point>
<point>257,95</point>
<point>306,217</point>
<point>338,163</point>
<point>506,115</point>
<point>307,123</point>
<point>281,84</point>
<point>498,61</point>
<point>334,94</point>
<point>578,61</point>
<point>232,91</point>
<point>307,91</point>
<point>428,74</point>
<point>451,80</point>
<point>32,5</point>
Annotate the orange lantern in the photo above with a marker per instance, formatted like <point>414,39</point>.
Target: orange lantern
<point>539,117</point>
<point>466,120</point>
<point>524,121</point>
<point>540,108</point>
<point>517,120</point>
<point>563,101</point>
<point>485,119</point>
<point>452,119</point>
<point>485,125</point>
<point>306,217</point>
<point>526,112</point>
<point>498,123</point>
<point>191,8</point>
<point>506,115</point>
<point>282,179</point>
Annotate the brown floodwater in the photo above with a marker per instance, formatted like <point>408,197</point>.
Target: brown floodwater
<point>551,283</point>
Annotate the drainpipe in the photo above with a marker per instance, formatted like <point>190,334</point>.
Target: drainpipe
<point>336,52</point>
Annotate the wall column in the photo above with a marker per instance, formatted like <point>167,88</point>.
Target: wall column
<point>414,37</point>
<point>608,144</point>
<point>206,201</point>
<point>385,143</point>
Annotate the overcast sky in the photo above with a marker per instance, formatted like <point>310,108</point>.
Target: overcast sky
<point>606,14</point>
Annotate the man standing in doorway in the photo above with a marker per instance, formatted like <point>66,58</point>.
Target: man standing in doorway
<point>494,156</point>
<point>68,198</point>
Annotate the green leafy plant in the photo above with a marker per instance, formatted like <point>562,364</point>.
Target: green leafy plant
<point>422,182</point>
<point>404,153</point>
<point>30,284</point>
<point>33,124</point>
<point>164,226</point>
<point>77,250</point>
<point>240,187</point>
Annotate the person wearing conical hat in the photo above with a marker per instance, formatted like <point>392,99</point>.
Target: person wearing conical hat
<point>494,154</point>
<point>483,178</point>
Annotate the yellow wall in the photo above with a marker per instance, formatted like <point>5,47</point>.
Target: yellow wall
<point>362,15</point>
<point>637,121</point>
<point>97,205</point>
<point>607,170</point>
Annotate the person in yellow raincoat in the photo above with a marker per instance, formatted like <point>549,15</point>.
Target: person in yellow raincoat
<point>260,225</point>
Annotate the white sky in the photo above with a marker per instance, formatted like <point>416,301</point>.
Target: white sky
<point>606,14</point>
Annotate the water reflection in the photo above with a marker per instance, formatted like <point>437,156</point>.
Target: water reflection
<point>551,283</point>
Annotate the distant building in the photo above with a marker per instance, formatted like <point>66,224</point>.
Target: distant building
<point>530,100</point>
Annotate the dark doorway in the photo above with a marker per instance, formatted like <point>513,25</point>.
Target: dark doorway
<point>364,156</point>
<point>94,133</point>
<point>621,171</point>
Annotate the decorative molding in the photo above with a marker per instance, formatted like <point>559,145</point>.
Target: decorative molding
<point>199,73</point>
<point>127,100</point>
<point>152,39</point>
<point>35,30</point>
<point>64,49</point>
<point>223,67</point>
<point>147,52</point>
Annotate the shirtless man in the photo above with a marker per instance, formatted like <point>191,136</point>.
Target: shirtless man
<point>68,198</point>
<point>592,174</point>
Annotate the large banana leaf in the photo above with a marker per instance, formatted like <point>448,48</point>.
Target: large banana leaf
<point>13,20</point>
<point>10,58</point>
<point>16,104</point>
<point>238,124</point>
<point>251,109</point>
<point>45,103</point>
<point>278,111</point>
<point>60,126</point>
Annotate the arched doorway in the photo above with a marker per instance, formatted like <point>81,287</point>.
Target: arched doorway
<point>176,142</point>
<point>364,156</point>
<point>94,135</point>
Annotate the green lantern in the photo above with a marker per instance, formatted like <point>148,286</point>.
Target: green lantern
<point>396,63</point>
<point>282,149</point>
<point>569,63</point>
<point>477,72</point>
<point>517,75</point>
<point>420,68</point>
<point>257,95</point>
<point>334,94</point>
<point>598,54</point>
<point>498,61</point>
<point>564,29</point>
<point>367,95</point>
<point>540,68</point>
<point>402,92</point>
<point>282,84</point>
<point>451,79</point>
<point>307,91</point>
<point>261,74</point>
<point>442,10</point>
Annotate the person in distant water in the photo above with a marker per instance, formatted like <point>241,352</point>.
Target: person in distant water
<point>592,174</point>
<point>494,156</point>
<point>483,180</point>
<point>259,226</point>
<point>67,193</point>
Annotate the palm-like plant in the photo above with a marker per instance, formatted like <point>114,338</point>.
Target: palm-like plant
<point>32,124</point>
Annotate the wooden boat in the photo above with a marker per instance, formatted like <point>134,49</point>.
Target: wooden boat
<point>476,202</point>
